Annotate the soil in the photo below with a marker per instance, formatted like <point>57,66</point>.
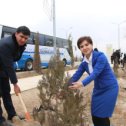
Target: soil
<point>32,100</point>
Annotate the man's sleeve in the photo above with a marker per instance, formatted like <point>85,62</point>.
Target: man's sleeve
<point>7,62</point>
<point>0,90</point>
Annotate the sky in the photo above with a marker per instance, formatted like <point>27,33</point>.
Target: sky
<point>103,20</point>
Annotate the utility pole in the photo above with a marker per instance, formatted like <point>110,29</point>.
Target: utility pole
<point>118,30</point>
<point>49,8</point>
<point>54,27</point>
<point>119,35</point>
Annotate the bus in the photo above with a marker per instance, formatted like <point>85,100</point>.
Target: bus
<point>46,49</point>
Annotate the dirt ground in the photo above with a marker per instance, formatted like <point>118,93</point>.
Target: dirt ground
<point>119,116</point>
<point>32,100</point>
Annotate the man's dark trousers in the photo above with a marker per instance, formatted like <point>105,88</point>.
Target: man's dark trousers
<point>6,97</point>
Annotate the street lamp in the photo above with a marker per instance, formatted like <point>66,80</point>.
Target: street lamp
<point>67,31</point>
<point>54,27</point>
<point>118,26</point>
<point>118,35</point>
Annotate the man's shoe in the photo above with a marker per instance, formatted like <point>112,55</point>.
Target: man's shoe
<point>15,119</point>
<point>21,117</point>
<point>6,123</point>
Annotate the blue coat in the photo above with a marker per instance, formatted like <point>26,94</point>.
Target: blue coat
<point>105,90</point>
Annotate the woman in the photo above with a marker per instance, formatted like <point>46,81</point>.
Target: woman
<point>105,90</point>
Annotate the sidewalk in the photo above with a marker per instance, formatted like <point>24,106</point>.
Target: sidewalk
<point>27,83</point>
<point>32,82</point>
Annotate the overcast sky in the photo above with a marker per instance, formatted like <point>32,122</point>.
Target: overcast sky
<point>96,18</point>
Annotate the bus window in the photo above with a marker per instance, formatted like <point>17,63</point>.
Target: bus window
<point>49,43</point>
<point>6,34</point>
<point>41,40</point>
<point>30,41</point>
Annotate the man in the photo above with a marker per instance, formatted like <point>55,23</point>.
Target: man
<point>11,49</point>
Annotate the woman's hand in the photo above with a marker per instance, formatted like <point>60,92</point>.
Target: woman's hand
<point>76,85</point>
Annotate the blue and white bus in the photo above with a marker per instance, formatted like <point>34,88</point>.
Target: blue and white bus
<point>46,49</point>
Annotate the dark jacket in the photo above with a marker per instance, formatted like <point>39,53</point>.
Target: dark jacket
<point>10,52</point>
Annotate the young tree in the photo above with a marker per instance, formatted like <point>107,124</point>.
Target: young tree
<point>60,106</point>
<point>37,60</point>
<point>71,49</point>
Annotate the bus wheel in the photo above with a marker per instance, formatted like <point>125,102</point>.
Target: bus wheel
<point>65,62</point>
<point>29,65</point>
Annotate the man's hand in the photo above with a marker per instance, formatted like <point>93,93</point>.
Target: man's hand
<point>16,89</point>
<point>76,85</point>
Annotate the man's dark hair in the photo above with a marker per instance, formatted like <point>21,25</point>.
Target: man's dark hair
<point>83,38</point>
<point>96,49</point>
<point>23,29</point>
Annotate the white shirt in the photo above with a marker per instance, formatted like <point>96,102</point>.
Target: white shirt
<point>89,61</point>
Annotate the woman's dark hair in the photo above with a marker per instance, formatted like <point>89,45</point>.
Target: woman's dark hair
<point>23,29</point>
<point>83,38</point>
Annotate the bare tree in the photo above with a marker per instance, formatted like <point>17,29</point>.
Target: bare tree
<point>37,60</point>
<point>71,49</point>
